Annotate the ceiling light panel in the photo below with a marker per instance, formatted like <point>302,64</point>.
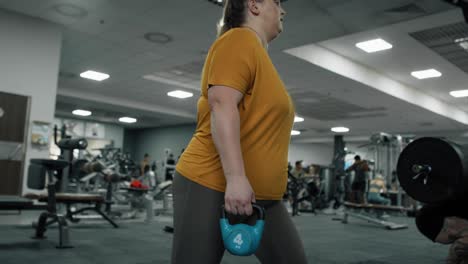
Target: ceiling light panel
<point>340,129</point>
<point>128,120</point>
<point>425,74</point>
<point>374,45</point>
<point>180,94</point>
<point>81,112</point>
<point>295,132</point>
<point>298,119</point>
<point>94,75</point>
<point>459,93</point>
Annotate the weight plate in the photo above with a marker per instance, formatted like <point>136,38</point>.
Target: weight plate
<point>446,177</point>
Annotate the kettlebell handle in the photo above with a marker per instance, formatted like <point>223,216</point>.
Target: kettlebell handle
<point>260,210</point>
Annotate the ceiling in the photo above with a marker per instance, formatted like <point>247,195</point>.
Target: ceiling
<point>109,36</point>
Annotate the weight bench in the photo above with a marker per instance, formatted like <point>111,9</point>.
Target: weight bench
<point>52,198</point>
<point>70,199</point>
<point>50,166</point>
<point>361,211</point>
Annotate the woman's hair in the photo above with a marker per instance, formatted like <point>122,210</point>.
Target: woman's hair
<point>234,15</point>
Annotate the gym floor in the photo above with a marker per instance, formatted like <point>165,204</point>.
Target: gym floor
<point>135,242</point>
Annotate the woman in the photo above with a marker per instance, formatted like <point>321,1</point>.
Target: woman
<point>376,188</point>
<point>238,154</point>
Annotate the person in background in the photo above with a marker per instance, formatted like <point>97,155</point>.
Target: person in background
<point>170,167</point>
<point>358,186</point>
<point>376,188</point>
<point>145,164</point>
<point>170,160</point>
<point>298,171</point>
<point>315,174</point>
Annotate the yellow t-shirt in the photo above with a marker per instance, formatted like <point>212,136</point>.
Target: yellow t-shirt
<point>377,185</point>
<point>238,60</point>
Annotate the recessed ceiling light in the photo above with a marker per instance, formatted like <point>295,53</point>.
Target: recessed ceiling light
<point>180,94</point>
<point>295,132</point>
<point>298,119</point>
<point>459,93</point>
<point>425,74</point>
<point>340,129</point>
<point>80,112</point>
<point>126,119</point>
<point>70,10</point>
<point>158,37</point>
<point>94,75</point>
<point>374,45</point>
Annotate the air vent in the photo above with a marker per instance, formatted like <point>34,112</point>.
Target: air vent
<point>410,8</point>
<point>449,41</point>
<point>327,108</point>
<point>442,35</point>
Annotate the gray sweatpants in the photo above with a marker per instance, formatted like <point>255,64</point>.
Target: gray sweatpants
<point>197,235</point>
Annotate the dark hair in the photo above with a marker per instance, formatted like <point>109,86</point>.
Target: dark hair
<point>357,157</point>
<point>233,15</point>
<point>146,155</point>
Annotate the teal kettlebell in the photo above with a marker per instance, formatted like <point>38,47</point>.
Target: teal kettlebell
<point>242,239</point>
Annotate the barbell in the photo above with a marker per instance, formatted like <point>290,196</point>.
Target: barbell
<point>434,170</point>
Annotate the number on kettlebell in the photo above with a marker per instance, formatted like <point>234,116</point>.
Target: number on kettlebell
<point>238,240</point>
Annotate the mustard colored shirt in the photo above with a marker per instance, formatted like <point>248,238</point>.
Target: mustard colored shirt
<point>238,60</point>
<point>377,185</point>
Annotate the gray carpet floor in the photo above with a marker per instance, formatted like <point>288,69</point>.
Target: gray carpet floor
<point>325,241</point>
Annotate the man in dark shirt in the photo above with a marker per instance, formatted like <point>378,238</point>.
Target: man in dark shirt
<point>358,187</point>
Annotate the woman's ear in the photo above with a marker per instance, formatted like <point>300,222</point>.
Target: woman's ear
<point>252,7</point>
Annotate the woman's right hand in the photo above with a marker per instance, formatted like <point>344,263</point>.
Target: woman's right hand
<point>239,196</point>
